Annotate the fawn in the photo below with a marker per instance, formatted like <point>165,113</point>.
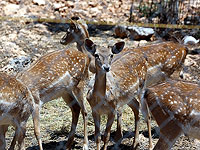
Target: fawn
<point>163,59</point>
<point>77,32</point>
<point>117,82</point>
<point>57,74</point>
<point>16,105</point>
<point>175,106</point>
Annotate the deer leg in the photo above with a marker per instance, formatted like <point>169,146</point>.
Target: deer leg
<point>12,146</point>
<point>168,135</point>
<point>119,135</point>
<point>134,105</point>
<point>79,96</point>
<point>3,130</point>
<point>21,136</point>
<point>36,123</point>
<point>75,108</point>
<point>97,134</point>
<point>110,121</point>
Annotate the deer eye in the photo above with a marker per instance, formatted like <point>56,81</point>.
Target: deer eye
<point>96,55</point>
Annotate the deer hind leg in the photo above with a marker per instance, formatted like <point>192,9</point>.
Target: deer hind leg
<point>97,135</point>
<point>134,105</point>
<point>36,123</point>
<point>168,136</point>
<point>75,108</point>
<point>14,140</point>
<point>110,121</point>
<point>79,97</point>
<point>3,130</point>
<point>21,132</point>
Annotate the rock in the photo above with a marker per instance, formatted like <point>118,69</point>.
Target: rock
<point>39,2</point>
<point>140,33</point>
<point>94,11</point>
<point>121,32</point>
<point>70,4</point>
<point>92,3</point>
<point>58,5</point>
<point>17,64</point>
<point>189,40</point>
<point>142,43</point>
<point>11,9</point>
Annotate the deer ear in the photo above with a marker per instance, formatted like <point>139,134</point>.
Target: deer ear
<point>73,25</point>
<point>90,46</point>
<point>75,18</point>
<point>118,47</point>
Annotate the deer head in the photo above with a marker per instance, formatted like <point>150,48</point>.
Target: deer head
<point>103,56</point>
<point>77,32</point>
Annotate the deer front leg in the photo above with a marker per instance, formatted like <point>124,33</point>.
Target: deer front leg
<point>119,135</point>
<point>79,96</point>
<point>134,105</point>
<point>3,130</point>
<point>75,108</point>
<point>110,120</point>
<point>97,135</point>
<point>36,123</point>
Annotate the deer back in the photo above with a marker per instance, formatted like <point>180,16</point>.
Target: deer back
<point>56,70</point>
<point>163,59</point>
<point>16,100</point>
<point>177,100</point>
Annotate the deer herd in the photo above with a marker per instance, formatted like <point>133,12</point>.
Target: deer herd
<point>108,78</point>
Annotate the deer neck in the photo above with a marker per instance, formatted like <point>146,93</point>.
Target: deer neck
<point>80,46</point>
<point>100,83</point>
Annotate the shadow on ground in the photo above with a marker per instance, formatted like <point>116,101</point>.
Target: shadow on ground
<point>61,145</point>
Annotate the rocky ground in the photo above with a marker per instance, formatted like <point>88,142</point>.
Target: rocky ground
<point>22,43</point>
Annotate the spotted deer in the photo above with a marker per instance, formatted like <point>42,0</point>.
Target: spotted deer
<point>117,82</point>
<point>16,105</point>
<point>163,59</point>
<point>78,32</point>
<point>57,74</point>
<point>175,106</point>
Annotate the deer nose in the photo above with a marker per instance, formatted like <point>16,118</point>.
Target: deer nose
<point>62,41</point>
<point>106,68</point>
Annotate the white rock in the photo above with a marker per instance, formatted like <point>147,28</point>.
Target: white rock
<point>140,33</point>
<point>58,5</point>
<point>39,2</point>
<point>11,9</point>
<point>189,40</point>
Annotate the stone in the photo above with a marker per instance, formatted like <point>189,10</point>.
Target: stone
<point>140,33</point>
<point>121,32</point>
<point>190,40</point>
<point>11,9</point>
<point>39,2</point>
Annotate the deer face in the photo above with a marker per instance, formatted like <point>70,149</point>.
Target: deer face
<point>103,56</point>
<point>77,32</point>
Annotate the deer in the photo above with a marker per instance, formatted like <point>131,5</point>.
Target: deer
<point>16,105</point>
<point>77,32</point>
<point>57,74</point>
<point>174,104</point>
<point>117,82</point>
<point>163,60</point>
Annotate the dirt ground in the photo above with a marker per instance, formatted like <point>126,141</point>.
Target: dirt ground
<point>32,40</point>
